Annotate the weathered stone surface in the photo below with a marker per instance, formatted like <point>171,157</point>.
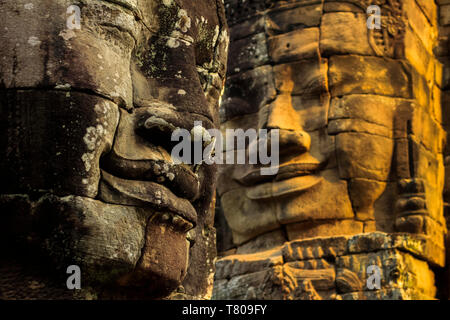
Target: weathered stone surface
<point>53,56</point>
<point>341,7</point>
<point>248,53</point>
<point>355,125</point>
<point>312,206</point>
<point>364,194</point>
<point>33,128</point>
<point>444,17</point>
<point>104,97</point>
<point>265,242</point>
<point>344,33</point>
<point>321,279</point>
<point>288,19</point>
<point>312,110</point>
<point>83,231</point>
<point>248,92</point>
<point>281,115</point>
<point>329,268</point>
<point>396,270</point>
<point>260,285</point>
<point>418,56</point>
<point>294,45</point>
<point>374,109</point>
<point>430,9</point>
<point>304,230</point>
<point>247,28</point>
<point>420,24</point>
<point>316,248</point>
<point>361,155</point>
<point>386,294</point>
<point>363,115</point>
<point>235,265</point>
<point>302,78</point>
<point>415,244</point>
<point>367,75</point>
<point>248,223</point>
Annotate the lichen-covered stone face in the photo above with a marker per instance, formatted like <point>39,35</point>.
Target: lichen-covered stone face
<point>360,136</point>
<point>91,91</point>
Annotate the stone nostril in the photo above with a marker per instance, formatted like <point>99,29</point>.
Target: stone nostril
<point>158,123</point>
<point>156,130</point>
<point>300,141</point>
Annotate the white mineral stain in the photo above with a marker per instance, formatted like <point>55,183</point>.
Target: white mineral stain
<point>181,92</point>
<point>87,164</point>
<point>173,43</point>
<point>29,6</point>
<point>185,22</point>
<point>90,138</point>
<point>34,41</point>
<point>67,34</point>
<point>91,189</point>
<point>216,34</point>
<point>65,86</point>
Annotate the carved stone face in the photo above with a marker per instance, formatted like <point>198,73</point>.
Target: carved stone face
<point>346,118</point>
<point>87,116</point>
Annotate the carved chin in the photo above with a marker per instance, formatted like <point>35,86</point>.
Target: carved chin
<point>118,248</point>
<point>164,261</point>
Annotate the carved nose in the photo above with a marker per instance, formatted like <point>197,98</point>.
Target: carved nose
<point>297,141</point>
<point>282,116</point>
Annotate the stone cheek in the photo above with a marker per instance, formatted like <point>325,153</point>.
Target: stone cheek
<point>65,133</point>
<point>104,240</point>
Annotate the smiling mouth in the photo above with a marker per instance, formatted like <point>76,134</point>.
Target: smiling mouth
<point>291,178</point>
<point>166,188</point>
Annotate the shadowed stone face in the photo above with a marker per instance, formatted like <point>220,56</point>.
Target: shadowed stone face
<point>360,146</point>
<point>86,120</point>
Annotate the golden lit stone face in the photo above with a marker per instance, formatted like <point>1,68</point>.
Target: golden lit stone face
<point>360,135</point>
<point>361,114</point>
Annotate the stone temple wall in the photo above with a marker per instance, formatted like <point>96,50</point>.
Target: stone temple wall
<point>443,55</point>
<point>374,104</point>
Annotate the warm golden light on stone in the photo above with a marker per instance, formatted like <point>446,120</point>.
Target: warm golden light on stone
<point>371,102</point>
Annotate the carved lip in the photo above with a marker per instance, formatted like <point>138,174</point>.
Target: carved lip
<point>285,171</point>
<point>178,178</point>
<point>277,189</point>
<point>121,191</point>
<point>291,178</point>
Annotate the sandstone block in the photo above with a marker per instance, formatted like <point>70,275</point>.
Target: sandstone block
<point>249,53</point>
<point>367,75</point>
<point>295,45</point>
<point>344,33</point>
